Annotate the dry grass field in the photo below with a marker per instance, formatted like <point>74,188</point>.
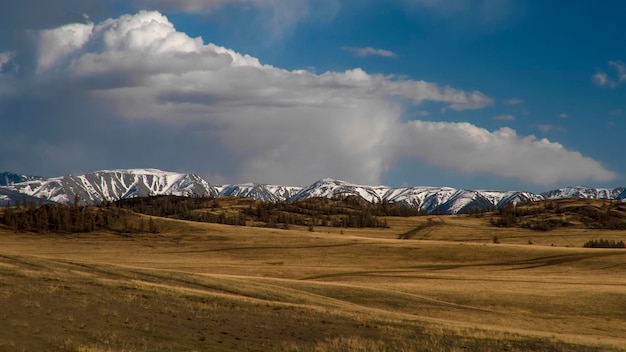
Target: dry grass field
<point>210,287</point>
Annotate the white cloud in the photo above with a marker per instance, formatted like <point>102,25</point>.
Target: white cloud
<point>504,118</point>
<point>603,79</point>
<point>616,112</point>
<point>563,115</point>
<point>273,125</point>
<point>56,44</point>
<point>600,78</point>
<point>465,147</point>
<point>5,59</point>
<point>513,101</point>
<point>369,51</point>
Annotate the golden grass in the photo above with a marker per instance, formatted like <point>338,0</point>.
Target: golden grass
<point>197,286</point>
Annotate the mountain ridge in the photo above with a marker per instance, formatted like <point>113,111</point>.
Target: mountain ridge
<point>11,178</point>
<point>111,185</point>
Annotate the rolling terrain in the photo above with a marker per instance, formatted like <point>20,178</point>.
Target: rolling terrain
<point>200,286</point>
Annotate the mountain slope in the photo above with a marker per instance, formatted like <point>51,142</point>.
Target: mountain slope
<point>587,192</point>
<point>9,178</point>
<point>12,197</point>
<point>330,188</point>
<point>439,200</point>
<point>110,185</point>
<point>266,193</point>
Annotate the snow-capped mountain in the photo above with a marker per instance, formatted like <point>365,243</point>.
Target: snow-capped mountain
<point>9,178</point>
<point>12,197</point>
<point>111,185</point>
<point>439,200</point>
<point>266,193</point>
<point>330,188</point>
<point>587,192</point>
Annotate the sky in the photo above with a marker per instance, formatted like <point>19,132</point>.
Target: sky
<point>476,94</point>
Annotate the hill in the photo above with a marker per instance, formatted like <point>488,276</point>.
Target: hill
<point>565,213</point>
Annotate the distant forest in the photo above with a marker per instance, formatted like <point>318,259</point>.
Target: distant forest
<point>604,244</point>
<point>135,215</point>
<point>350,211</point>
<point>74,219</point>
<point>551,215</point>
<point>120,216</point>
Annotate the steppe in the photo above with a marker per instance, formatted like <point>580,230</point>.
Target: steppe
<point>212,287</point>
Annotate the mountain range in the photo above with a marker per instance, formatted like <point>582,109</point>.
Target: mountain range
<point>111,185</point>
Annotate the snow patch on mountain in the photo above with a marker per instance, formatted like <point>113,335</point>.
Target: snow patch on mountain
<point>587,192</point>
<point>111,185</point>
<point>440,200</point>
<point>266,193</point>
<point>330,188</point>
<point>9,178</point>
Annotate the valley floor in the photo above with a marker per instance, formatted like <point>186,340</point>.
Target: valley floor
<point>213,287</point>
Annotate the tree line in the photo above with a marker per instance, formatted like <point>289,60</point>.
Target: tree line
<point>58,218</point>
<point>345,211</point>
<point>551,215</point>
<point>604,244</point>
<point>348,211</point>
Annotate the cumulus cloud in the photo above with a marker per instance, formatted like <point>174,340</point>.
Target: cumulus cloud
<point>56,44</point>
<point>616,78</point>
<point>465,147</point>
<point>369,51</point>
<point>207,108</point>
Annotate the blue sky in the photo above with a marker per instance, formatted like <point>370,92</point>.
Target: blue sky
<point>484,94</point>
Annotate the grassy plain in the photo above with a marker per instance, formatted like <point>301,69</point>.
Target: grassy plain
<point>197,287</point>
